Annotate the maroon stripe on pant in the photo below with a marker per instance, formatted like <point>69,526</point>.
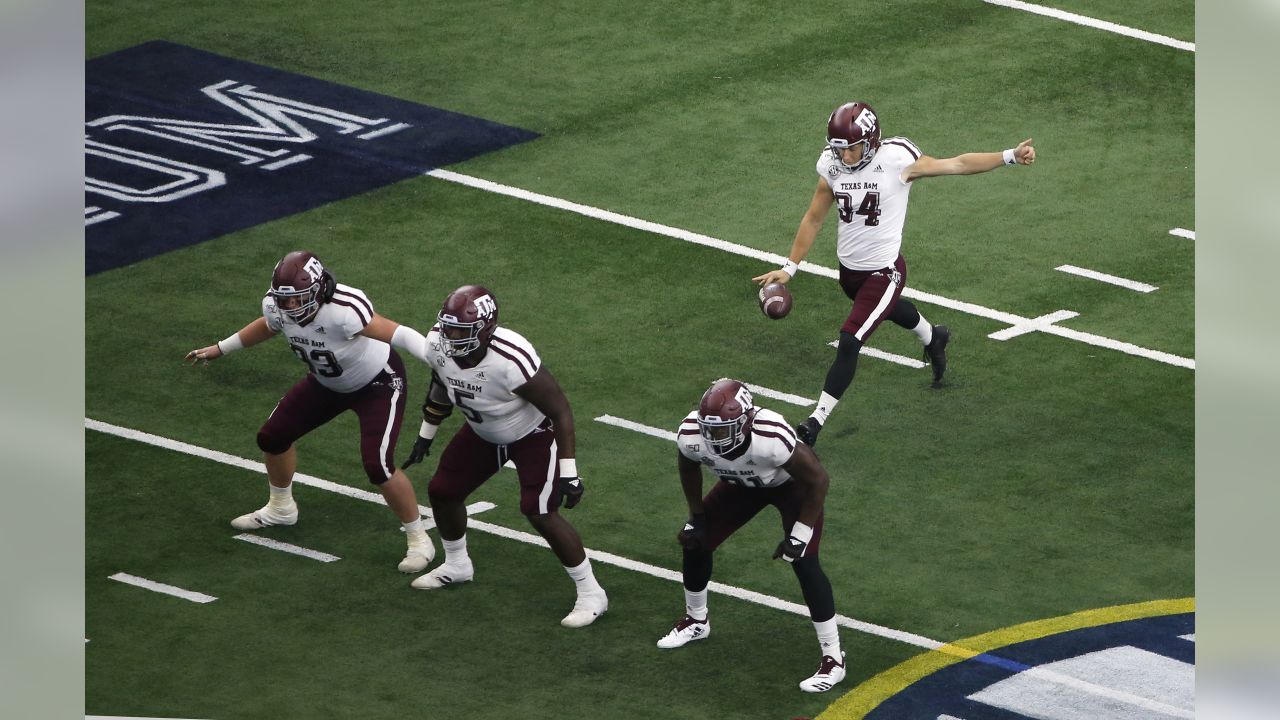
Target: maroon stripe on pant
<point>874,296</point>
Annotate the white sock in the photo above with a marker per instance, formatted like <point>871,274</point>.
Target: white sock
<point>829,637</point>
<point>455,552</point>
<point>923,330</point>
<point>583,577</point>
<point>280,497</point>
<point>826,404</point>
<point>695,603</point>
<point>413,531</point>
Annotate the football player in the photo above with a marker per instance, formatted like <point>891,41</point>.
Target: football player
<point>334,331</point>
<point>754,454</point>
<point>869,180</point>
<point>514,410</point>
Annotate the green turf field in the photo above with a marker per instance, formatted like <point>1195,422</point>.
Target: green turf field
<point>1048,476</point>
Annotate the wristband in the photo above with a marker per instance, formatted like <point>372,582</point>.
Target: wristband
<point>790,268</point>
<point>568,468</point>
<point>231,344</point>
<point>427,430</point>
<point>802,532</point>
<point>1009,158</point>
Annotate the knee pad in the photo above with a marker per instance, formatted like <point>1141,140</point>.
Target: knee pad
<point>439,490</point>
<point>376,474</point>
<point>849,346</point>
<point>269,443</point>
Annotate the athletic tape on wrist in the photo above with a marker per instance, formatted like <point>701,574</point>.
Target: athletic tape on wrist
<point>231,344</point>
<point>568,467</point>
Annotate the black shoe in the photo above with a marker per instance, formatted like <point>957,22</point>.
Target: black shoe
<point>808,431</point>
<point>935,353</point>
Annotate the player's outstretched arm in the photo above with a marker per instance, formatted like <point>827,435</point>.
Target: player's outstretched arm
<point>693,533</point>
<point>251,334</point>
<point>436,408</point>
<point>544,392</point>
<point>819,206</point>
<point>809,473</point>
<point>970,163</point>
<point>397,335</point>
<point>805,469</point>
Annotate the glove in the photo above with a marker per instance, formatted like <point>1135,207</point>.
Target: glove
<point>421,449</point>
<point>793,546</point>
<point>694,533</point>
<point>571,490</point>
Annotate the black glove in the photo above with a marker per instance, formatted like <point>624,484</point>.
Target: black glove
<point>421,449</point>
<point>694,533</point>
<point>571,490</point>
<point>793,546</point>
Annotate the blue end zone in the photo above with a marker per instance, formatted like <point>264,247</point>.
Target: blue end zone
<point>946,691</point>
<point>182,145</point>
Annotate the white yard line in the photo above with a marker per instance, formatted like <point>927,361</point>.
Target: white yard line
<point>160,587</point>
<point>779,395</point>
<point>611,559</point>
<point>257,466</point>
<point>842,620</point>
<point>1103,277</point>
<point>773,258</point>
<point>637,427</point>
<point>1095,23</point>
<point>1183,233</point>
<point>125,717</point>
<point>1040,323</point>
<point>287,547</point>
<point>882,355</point>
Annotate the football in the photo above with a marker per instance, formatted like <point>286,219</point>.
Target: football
<point>775,301</point>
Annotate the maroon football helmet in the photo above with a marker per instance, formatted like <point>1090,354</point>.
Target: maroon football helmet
<point>724,416</point>
<point>467,320</point>
<point>299,285</point>
<point>852,124</point>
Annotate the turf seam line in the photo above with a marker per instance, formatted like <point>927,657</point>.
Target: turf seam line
<point>773,258</point>
<point>626,563</point>
<point>286,547</point>
<point>152,585</point>
<point>256,466</point>
<point>1109,279</point>
<point>1095,23</point>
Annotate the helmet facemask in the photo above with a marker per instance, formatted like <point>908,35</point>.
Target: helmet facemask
<point>468,343</point>
<point>722,436</point>
<point>308,302</point>
<point>839,145</point>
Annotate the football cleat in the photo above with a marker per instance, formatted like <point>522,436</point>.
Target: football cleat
<point>445,574</point>
<point>587,608</point>
<point>808,431</point>
<point>935,353</point>
<point>420,554</point>
<point>830,672</point>
<point>267,516</point>
<point>685,632</point>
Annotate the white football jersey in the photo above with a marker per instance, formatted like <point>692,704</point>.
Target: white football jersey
<point>871,203</point>
<point>485,394</point>
<point>341,359</point>
<point>772,444</point>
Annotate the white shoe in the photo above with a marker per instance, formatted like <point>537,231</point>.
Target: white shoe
<point>830,672</point>
<point>685,632</point>
<point>267,516</point>
<point>587,608</point>
<point>420,554</point>
<point>445,574</point>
